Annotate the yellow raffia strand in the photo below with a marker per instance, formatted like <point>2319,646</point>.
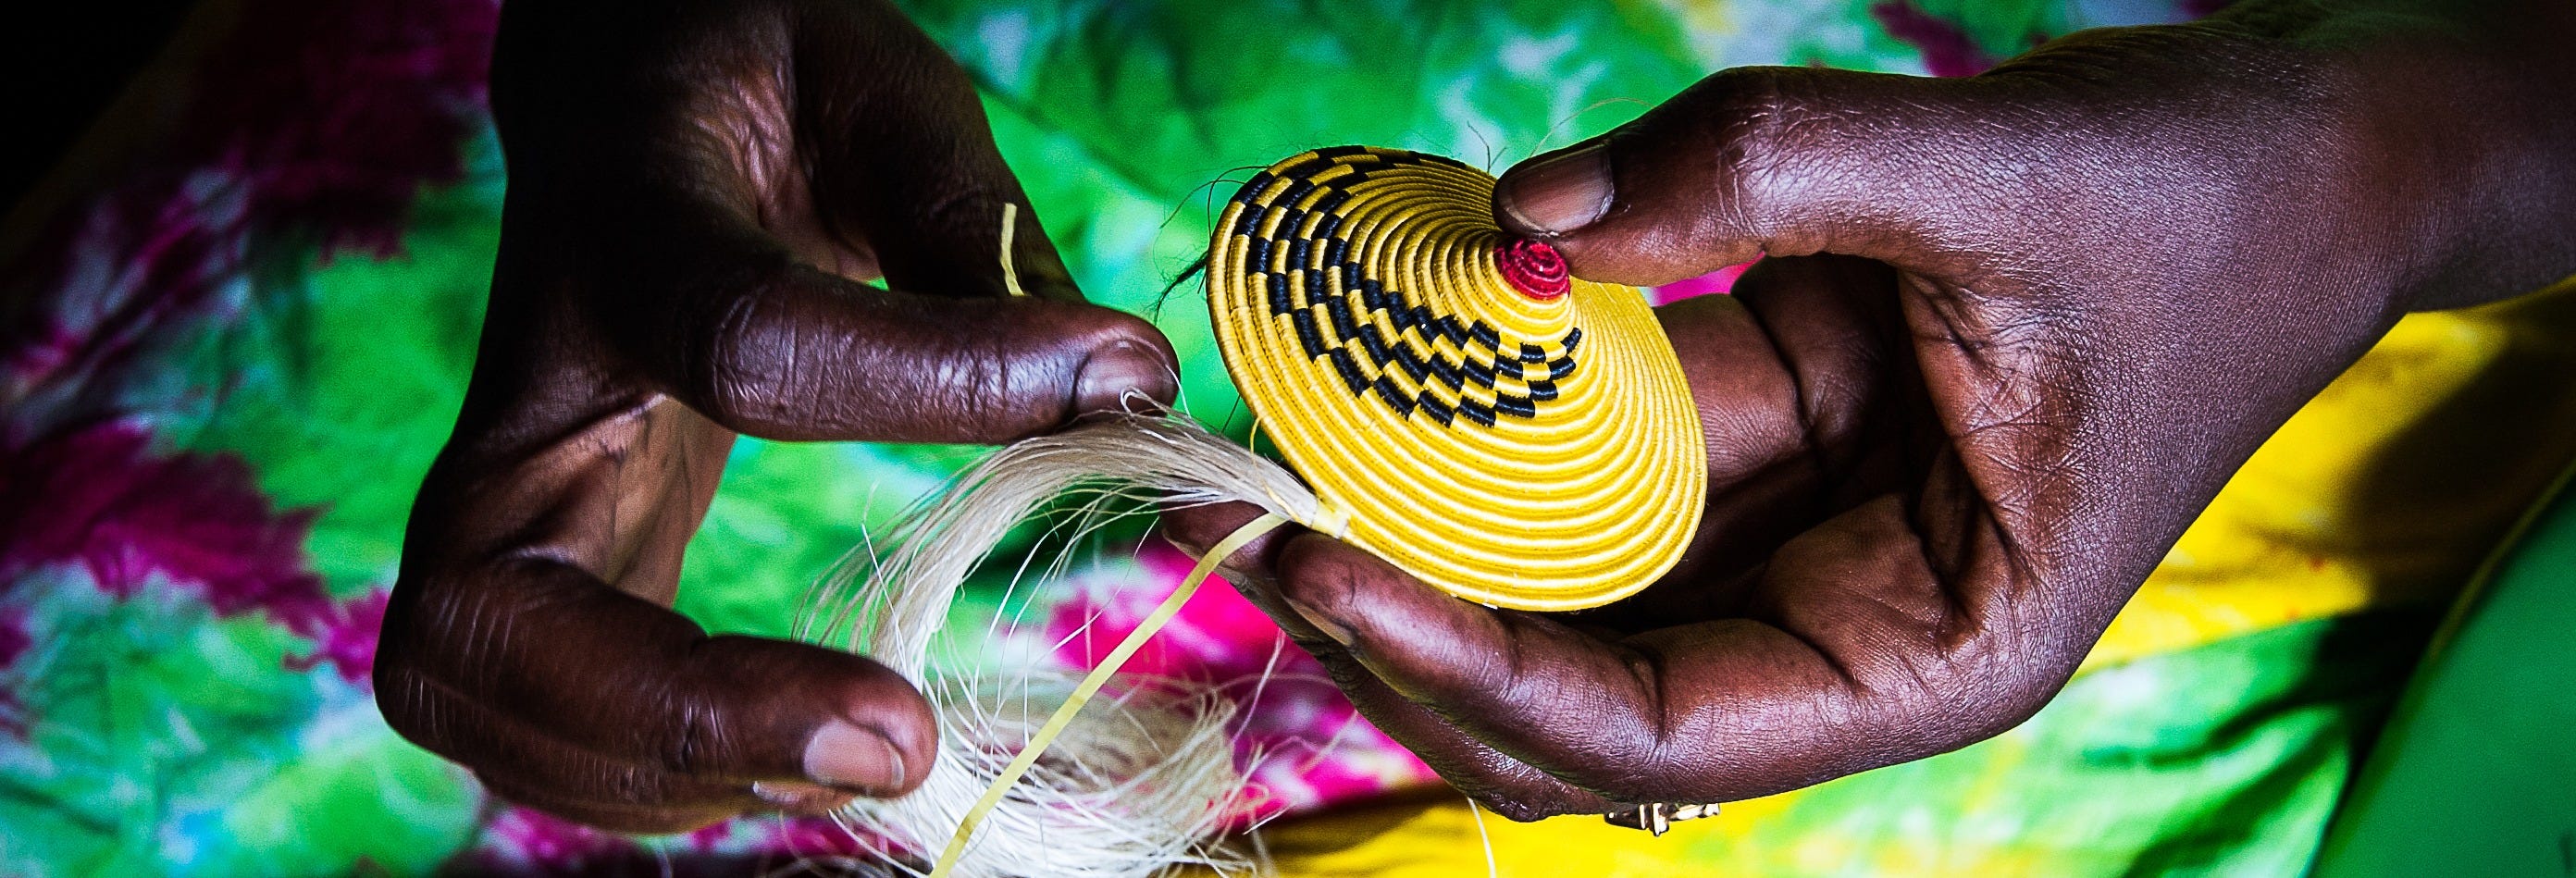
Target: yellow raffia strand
<point>1092,682</point>
<point>1578,504</point>
<point>1010,229</point>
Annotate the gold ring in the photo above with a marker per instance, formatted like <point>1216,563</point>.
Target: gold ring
<point>1658,817</point>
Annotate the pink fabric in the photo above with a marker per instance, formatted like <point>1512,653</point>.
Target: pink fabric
<point>1307,745</point>
<point>1947,50</point>
<point>1716,283</point>
<point>100,499</point>
<point>311,125</point>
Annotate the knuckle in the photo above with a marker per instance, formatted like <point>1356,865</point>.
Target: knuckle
<point>414,667</point>
<point>1982,688</point>
<point>1751,120</point>
<point>1524,794</point>
<point>1640,765</point>
<point>2010,692</point>
<point>690,746</point>
<point>987,386</point>
<point>1728,139</point>
<point>727,379</point>
<point>732,351</point>
<point>1516,809</point>
<point>409,705</point>
<point>962,386</point>
<point>634,785</point>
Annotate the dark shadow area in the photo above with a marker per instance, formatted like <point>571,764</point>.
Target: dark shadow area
<point>55,77</point>
<point>2435,482</point>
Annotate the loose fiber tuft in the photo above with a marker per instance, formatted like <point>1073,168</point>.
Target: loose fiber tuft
<point>1140,784</point>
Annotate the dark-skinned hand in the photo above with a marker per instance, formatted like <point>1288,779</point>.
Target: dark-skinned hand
<point>2013,332</point>
<point>698,193</point>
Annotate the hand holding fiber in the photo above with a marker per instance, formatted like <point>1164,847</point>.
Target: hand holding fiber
<point>685,255</point>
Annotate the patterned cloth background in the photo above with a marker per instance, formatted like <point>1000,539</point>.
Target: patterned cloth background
<point>233,348</point>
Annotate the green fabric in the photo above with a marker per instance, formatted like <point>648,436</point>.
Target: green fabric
<point>337,378</point>
<point>158,715</point>
<point>2224,759</point>
<point>2477,773</point>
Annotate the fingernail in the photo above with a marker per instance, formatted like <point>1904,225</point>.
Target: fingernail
<point>1123,368</point>
<point>801,798</point>
<point>1559,193</point>
<point>844,755</point>
<point>1330,626</point>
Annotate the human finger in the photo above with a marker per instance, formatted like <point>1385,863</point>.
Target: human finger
<point>546,679</point>
<point>1859,654</point>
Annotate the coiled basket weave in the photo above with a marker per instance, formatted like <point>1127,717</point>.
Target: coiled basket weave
<point>1510,434</point>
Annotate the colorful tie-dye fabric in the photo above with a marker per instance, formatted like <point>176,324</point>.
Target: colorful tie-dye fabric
<point>231,352</point>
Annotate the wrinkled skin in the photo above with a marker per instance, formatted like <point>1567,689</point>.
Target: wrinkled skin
<point>2013,333</point>
<point>698,191</point>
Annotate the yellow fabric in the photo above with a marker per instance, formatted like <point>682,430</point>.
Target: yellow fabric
<point>1439,839</point>
<point>2390,486</point>
<point>1583,478</point>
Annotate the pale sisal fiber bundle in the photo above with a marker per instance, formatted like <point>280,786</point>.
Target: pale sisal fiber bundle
<point>1135,791</point>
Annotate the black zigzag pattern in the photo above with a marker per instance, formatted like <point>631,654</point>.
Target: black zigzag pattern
<point>1321,259</point>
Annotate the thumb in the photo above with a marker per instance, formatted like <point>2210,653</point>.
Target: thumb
<point>588,698</point>
<point>1763,161</point>
<point>749,708</point>
<point>781,350</point>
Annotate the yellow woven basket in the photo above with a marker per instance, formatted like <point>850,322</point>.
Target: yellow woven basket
<point>1512,435</point>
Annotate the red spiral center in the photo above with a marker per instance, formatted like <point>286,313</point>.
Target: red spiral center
<point>1533,268</point>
